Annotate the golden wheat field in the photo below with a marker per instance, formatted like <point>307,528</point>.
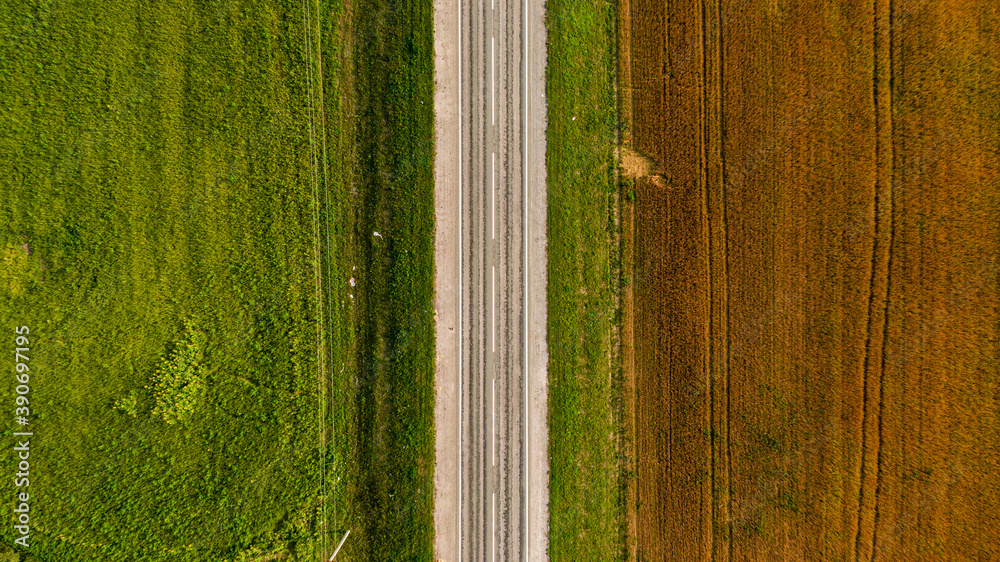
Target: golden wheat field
<point>811,323</point>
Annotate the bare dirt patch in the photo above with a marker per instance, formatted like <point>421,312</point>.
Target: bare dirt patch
<point>635,165</point>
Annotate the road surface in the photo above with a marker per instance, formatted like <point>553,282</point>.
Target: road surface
<point>492,471</point>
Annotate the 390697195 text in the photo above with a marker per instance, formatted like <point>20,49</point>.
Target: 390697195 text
<point>22,437</point>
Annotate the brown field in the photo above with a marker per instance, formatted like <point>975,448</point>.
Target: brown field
<point>811,319</point>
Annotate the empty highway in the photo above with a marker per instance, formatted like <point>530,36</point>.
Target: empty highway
<point>492,474</point>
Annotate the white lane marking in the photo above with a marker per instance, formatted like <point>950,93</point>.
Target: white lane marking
<point>493,306</point>
<point>493,515</point>
<point>459,557</point>
<point>493,192</point>
<point>527,542</point>
<point>493,99</point>
<point>493,430</point>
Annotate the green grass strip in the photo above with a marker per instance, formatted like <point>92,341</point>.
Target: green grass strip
<point>388,405</point>
<point>584,487</point>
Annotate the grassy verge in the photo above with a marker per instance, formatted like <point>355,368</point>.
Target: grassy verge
<point>386,396</point>
<point>157,232</point>
<point>584,488</point>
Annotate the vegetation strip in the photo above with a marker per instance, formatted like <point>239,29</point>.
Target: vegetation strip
<point>584,488</point>
<point>385,400</point>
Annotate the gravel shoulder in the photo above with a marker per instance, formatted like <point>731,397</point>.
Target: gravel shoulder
<point>538,356</point>
<point>446,275</point>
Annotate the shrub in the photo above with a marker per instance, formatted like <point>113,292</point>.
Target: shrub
<point>178,381</point>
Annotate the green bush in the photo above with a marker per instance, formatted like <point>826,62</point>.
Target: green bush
<point>179,381</point>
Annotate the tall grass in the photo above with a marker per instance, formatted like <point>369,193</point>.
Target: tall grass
<point>387,392</point>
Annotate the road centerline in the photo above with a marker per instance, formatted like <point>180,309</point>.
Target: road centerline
<point>493,101</point>
<point>493,427</point>
<point>493,308</point>
<point>493,192</point>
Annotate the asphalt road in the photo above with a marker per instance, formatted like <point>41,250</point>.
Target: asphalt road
<point>492,496</point>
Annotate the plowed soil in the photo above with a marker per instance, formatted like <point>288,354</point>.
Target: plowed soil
<point>814,301</point>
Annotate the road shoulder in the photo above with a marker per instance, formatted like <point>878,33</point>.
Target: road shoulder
<point>538,356</point>
<point>446,274</point>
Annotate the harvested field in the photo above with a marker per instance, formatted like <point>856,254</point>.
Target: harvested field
<point>814,296</point>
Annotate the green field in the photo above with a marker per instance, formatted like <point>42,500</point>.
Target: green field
<point>584,485</point>
<point>153,167</point>
<point>169,177</point>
